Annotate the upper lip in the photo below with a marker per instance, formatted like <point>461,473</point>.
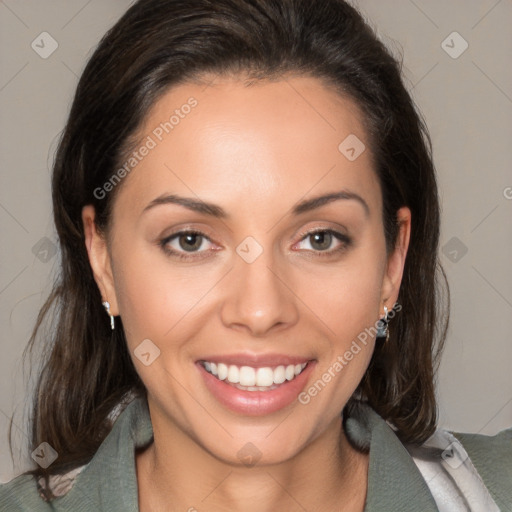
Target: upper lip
<point>256,360</point>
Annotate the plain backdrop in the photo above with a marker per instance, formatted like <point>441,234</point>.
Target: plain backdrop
<point>465,95</point>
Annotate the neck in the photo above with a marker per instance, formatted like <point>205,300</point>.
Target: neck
<point>328,474</point>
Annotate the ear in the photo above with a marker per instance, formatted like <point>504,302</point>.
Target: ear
<point>99,259</point>
<point>396,260</point>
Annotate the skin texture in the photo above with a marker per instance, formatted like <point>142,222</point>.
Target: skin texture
<point>255,151</point>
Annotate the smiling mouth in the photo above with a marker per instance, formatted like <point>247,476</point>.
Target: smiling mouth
<point>248,378</point>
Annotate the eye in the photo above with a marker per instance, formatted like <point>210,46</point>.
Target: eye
<point>325,241</point>
<point>183,242</point>
<point>189,244</point>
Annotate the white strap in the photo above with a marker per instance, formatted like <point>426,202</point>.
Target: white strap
<point>451,476</point>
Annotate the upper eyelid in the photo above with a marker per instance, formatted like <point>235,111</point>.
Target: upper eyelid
<point>312,231</point>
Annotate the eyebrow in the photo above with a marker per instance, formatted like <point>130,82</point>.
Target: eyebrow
<point>316,202</point>
<point>216,211</point>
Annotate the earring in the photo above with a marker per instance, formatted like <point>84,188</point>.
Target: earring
<point>106,305</point>
<point>382,326</point>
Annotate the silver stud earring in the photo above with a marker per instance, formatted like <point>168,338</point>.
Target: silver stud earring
<point>382,326</point>
<point>106,305</point>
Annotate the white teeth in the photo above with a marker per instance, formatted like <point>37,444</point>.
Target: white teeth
<point>264,377</point>
<point>254,379</point>
<point>247,376</point>
<point>279,375</point>
<point>222,371</point>
<point>234,374</point>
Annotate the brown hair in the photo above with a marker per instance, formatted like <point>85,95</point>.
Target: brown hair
<point>87,369</point>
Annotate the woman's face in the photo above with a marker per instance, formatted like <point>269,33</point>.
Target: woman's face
<point>255,292</point>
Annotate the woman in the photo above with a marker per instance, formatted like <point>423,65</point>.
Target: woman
<point>248,315</point>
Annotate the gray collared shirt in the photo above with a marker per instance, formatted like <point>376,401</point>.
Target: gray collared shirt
<point>109,483</point>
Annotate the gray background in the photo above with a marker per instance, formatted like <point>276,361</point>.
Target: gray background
<point>467,103</point>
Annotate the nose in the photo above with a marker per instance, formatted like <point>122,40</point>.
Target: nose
<point>258,298</point>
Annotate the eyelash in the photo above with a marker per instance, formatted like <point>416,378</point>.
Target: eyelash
<point>346,243</point>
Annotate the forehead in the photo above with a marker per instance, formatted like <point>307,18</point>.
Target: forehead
<point>261,142</point>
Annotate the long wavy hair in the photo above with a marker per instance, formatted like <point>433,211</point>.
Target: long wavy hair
<point>86,369</point>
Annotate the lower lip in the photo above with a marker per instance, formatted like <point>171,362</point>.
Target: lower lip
<point>256,403</point>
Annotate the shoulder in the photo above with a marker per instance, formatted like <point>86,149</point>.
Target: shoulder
<point>108,479</point>
<point>492,457</point>
<point>475,469</point>
<point>483,449</point>
<point>22,494</point>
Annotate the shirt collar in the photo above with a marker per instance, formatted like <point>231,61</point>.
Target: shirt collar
<point>109,482</point>
<point>394,481</point>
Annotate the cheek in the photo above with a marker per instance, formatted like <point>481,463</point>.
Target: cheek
<point>350,309</point>
<point>347,300</point>
<point>156,298</point>
<point>346,296</point>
